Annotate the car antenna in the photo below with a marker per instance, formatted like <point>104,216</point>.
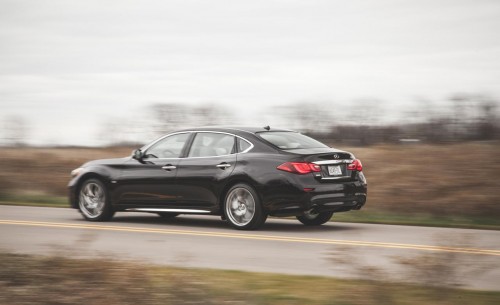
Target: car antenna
<point>267,128</point>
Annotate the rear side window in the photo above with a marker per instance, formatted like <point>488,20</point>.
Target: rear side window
<point>208,144</point>
<point>243,145</point>
<point>290,140</point>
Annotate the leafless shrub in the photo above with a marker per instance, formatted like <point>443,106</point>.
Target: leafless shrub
<point>5,186</point>
<point>59,280</point>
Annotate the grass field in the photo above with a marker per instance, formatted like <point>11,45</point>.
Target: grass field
<point>57,280</point>
<point>443,185</point>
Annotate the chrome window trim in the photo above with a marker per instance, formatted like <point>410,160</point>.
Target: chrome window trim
<point>148,146</point>
<point>145,148</point>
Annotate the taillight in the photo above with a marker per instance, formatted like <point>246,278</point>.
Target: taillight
<point>301,168</point>
<point>355,166</point>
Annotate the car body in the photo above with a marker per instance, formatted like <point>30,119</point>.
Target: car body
<point>241,174</point>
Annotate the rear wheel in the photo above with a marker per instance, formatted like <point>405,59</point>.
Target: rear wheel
<point>311,218</point>
<point>93,201</point>
<point>243,209</point>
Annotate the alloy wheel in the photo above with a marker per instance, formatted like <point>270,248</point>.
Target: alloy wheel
<point>240,206</point>
<point>92,199</point>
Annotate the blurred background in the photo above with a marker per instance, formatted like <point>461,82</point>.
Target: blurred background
<point>99,73</point>
<point>412,88</point>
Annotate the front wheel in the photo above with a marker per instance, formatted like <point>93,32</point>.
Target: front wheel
<point>93,201</point>
<point>243,209</point>
<point>311,218</point>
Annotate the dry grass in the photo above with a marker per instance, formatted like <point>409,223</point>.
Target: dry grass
<point>57,280</point>
<point>46,171</point>
<point>452,179</point>
<point>457,179</point>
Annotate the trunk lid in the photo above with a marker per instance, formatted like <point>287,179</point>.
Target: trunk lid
<point>333,162</point>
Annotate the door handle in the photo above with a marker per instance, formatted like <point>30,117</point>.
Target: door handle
<point>169,167</point>
<point>223,165</point>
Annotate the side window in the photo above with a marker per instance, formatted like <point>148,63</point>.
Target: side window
<point>243,145</point>
<point>207,144</point>
<point>169,147</point>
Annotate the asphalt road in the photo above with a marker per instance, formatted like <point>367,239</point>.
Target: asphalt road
<point>281,246</point>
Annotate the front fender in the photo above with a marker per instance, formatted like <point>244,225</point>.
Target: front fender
<point>98,172</point>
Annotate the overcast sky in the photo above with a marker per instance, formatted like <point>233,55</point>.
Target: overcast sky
<point>68,66</point>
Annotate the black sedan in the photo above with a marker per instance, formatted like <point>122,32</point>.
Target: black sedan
<point>240,174</point>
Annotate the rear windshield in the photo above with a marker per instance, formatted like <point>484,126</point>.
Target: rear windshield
<point>290,140</point>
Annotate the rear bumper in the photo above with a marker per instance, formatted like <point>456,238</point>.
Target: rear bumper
<point>333,202</point>
<point>295,198</point>
<point>320,203</point>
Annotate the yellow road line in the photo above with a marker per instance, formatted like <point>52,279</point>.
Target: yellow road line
<point>254,237</point>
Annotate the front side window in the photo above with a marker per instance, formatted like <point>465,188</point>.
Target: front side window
<point>169,147</point>
<point>290,140</point>
<point>208,144</point>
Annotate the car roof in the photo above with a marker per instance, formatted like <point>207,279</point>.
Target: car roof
<point>235,129</point>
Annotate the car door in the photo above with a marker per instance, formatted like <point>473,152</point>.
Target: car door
<point>201,175</point>
<point>150,181</point>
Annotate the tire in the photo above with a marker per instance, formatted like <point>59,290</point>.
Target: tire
<point>94,202</point>
<point>243,209</point>
<point>167,215</point>
<point>314,219</point>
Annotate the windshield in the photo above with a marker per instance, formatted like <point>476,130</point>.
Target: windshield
<point>290,140</point>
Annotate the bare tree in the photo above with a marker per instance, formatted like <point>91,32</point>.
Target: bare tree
<point>173,116</point>
<point>15,130</point>
<point>306,116</point>
<point>210,114</point>
<point>169,117</point>
<point>486,125</point>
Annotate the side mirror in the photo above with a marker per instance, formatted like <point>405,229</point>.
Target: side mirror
<point>137,154</point>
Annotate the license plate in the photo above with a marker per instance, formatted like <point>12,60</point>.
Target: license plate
<point>334,170</point>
